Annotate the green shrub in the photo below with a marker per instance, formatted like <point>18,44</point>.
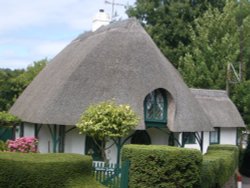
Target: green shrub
<point>218,165</point>
<point>21,170</point>
<point>227,147</point>
<point>162,166</point>
<point>3,146</point>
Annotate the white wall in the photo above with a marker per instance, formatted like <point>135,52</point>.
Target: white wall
<point>205,142</point>
<point>74,142</point>
<point>45,140</point>
<point>29,129</point>
<point>158,137</point>
<point>228,136</point>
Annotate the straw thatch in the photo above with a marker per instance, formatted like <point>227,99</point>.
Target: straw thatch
<point>219,108</point>
<point>120,62</point>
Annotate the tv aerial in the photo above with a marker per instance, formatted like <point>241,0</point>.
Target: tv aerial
<point>113,4</point>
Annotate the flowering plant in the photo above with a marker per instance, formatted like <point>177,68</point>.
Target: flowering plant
<point>23,144</point>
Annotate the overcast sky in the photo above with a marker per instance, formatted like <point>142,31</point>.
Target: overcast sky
<point>31,30</point>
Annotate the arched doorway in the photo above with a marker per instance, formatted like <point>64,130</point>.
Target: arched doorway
<point>141,137</point>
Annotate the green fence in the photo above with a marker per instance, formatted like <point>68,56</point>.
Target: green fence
<point>111,175</point>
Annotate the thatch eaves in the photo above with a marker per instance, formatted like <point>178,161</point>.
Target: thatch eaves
<point>119,61</point>
<point>219,108</point>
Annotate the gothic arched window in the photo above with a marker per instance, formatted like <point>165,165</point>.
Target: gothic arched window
<point>155,108</point>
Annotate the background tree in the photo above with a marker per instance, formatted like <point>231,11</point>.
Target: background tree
<point>241,97</point>
<point>214,44</point>
<point>107,121</point>
<point>7,119</point>
<point>6,85</point>
<point>167,22</point>
<point>13,82</point>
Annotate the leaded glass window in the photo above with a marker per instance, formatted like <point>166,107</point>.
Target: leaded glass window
<point>155,107</point>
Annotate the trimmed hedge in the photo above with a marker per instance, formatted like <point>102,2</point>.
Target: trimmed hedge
<point>22,170</point>
<point>162,166</point>
<point>218,165</point>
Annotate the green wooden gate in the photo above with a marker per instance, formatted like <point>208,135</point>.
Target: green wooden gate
<point>111,175</point>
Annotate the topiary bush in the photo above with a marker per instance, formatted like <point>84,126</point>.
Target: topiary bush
<point>162,166</point>
<point>219,164</point>
<point>22,170</point>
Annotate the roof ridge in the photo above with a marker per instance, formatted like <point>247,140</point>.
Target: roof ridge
<point>209,93</point>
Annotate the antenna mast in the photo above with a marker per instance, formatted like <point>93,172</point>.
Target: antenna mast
<point>113,4</point>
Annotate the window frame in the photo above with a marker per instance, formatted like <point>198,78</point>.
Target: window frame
<point>190,140</point>
<point>152,122</point>
<point>217,130</point>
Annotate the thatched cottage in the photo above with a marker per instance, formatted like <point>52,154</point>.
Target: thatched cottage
<point>120,61</point>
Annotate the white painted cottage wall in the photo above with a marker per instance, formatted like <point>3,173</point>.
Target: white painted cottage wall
<point>228,136</point>
<point>74,142</point>
<point>205,142</point>
<point>158,137</point>
<point>44,139</point>
<point>29,129</point>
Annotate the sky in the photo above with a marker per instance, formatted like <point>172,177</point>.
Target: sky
<point>31,30</point>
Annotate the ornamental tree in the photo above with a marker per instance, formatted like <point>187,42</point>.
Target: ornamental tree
<point>7,119</point>
<point>107,121</point>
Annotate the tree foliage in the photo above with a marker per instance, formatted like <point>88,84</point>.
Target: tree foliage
<point>13,82</point>
<point>107,120</point>
<point>7,86</point>
<point>241,97</point>
<point>167,22</point>
<point>7,119</point>
<point>214,44</point>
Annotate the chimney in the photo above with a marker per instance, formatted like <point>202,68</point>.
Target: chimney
<point>100,19</point>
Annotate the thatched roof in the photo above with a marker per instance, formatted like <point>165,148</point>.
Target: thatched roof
<point>219,108</point>
<point>119,61</point>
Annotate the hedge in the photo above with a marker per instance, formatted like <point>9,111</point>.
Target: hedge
<point>22,170</point>
<point>218,165</point>
<point>162,166</point>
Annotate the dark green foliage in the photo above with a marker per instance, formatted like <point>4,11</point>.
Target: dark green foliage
<point>162,166</point>
<point>7,119</point>
<point>6,87</point>
<point>241,98</point>
<point>218,165</point>
<point>241,156</point>
<point>3,146</point>
<point>167,22</point>
<point>44,170</point>
<point>245,166</point>
<point>13,82</point>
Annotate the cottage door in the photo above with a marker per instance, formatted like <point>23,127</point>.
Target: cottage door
<point>141,137</point>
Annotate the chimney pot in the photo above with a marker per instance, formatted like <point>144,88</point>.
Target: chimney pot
<point>101,19</point>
